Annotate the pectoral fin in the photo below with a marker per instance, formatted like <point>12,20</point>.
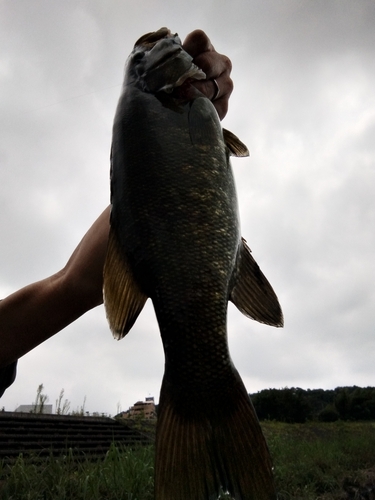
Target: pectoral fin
<point>252,294</point>
<point>123,299</point>
<point>235,146</point>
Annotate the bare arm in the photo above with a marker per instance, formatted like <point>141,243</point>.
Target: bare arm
<point>33,314</point>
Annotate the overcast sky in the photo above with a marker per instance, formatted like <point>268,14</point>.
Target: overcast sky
<point>304,103</point>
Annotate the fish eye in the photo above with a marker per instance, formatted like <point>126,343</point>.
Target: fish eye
<point>138,56</point>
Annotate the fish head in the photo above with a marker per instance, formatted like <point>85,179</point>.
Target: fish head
<point>158,63</point>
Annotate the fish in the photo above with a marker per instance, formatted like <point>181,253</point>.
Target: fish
<point>175,238</point>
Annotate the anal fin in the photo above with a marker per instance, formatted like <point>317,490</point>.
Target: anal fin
<point>252,294</point>
<point>123,298</point>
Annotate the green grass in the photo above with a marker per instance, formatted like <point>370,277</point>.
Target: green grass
<point>313,461</point>
<point>123,474</point>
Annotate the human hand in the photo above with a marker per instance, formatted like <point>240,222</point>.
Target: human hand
<point>216,66</point>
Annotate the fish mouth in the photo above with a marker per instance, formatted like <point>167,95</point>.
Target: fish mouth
<point>165,57</point>
<point>158,48</point>
<point>161,64</point>
<point>150,39</point>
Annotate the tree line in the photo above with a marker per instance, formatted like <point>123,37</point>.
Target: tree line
<point>296,405</point>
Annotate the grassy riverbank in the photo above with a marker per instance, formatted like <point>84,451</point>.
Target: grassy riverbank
<point>313,461</point>
<point>322,461</point>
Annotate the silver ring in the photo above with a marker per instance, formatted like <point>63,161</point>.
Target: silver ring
<point>217,90</point>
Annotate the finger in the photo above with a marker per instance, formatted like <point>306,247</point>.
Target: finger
<point>208,88</point>
<point>221,106</point>
<point>197,42</point>
<point>215,66</point>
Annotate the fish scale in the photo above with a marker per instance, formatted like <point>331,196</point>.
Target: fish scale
<point>175,238</point>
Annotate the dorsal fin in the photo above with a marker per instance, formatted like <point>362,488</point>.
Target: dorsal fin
<point>252,294</point>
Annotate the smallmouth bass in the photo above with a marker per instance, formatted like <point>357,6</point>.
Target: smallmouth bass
<point>175,237</point>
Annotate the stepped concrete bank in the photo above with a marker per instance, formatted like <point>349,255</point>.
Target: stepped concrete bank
<point>39,435</point>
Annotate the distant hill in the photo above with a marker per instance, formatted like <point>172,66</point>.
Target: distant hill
<point>299,405</point>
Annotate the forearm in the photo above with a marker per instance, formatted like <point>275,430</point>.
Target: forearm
<point>35,313</point>
<point>32,315</point>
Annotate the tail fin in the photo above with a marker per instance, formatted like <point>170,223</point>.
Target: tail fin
<point>200,452</point>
